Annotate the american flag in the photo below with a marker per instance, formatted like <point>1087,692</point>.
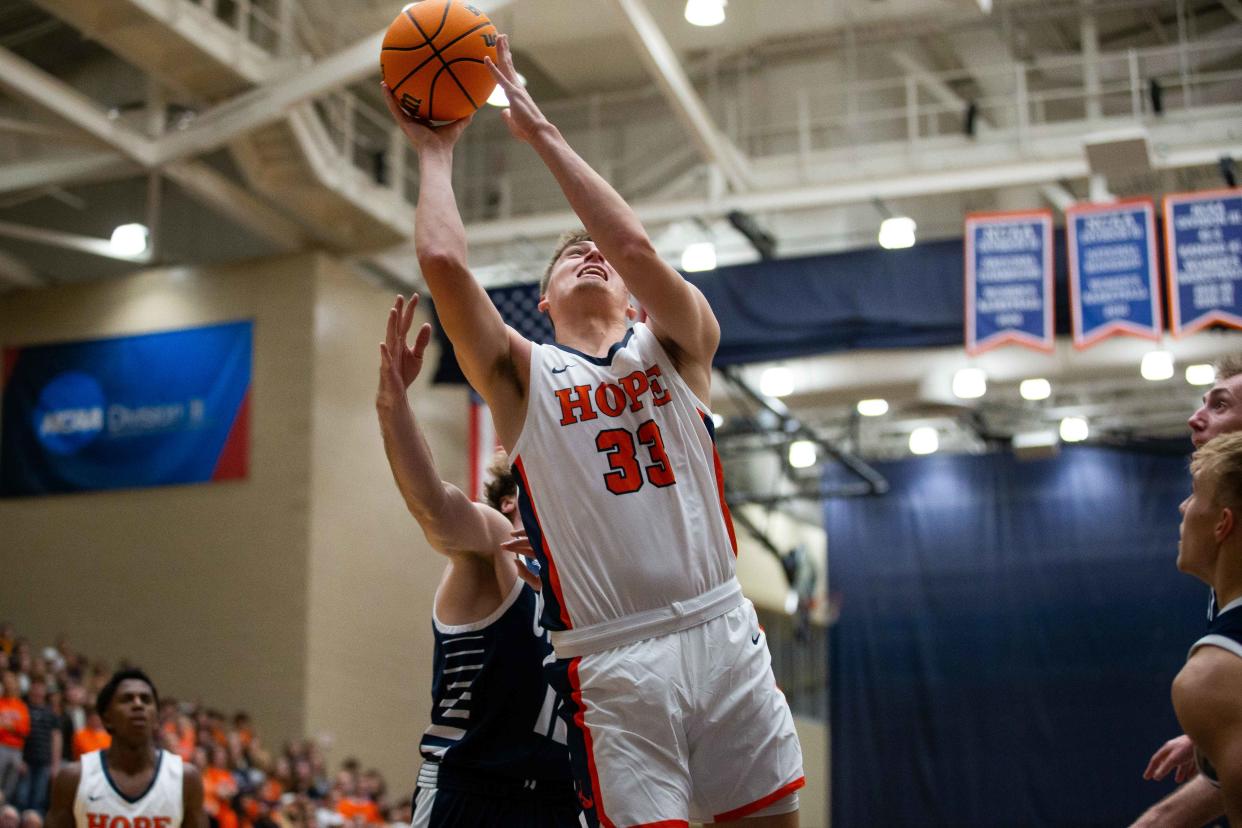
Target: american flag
<point>519,307</point>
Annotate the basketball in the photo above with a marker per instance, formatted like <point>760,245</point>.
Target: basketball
<point>432,59</point>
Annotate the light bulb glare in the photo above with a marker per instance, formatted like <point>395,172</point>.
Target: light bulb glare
<point>699,257</point>
<point>1201,374</point>
<point>1157,365</point>
<point>1074,429</point>
<point>802,454</point>
<point>129,240</point>
<point>924,440</point>
<point>777,382</point>
<point>1037,388</point>
<point>970,383</point>
<point>897,233</point>
<point>873,408</point>
<point>705,12</point>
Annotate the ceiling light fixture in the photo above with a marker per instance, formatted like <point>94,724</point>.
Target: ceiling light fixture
<point>924,440</point>
<point>873,408</point>
<point>970,383</point>
<point>897,233</point>
<point>802,454</point>
<point>1201,374</point>
<point>1035,389</point>
<point>130,240</point>
<point>1074,429</point>
<point>698,257</point>
<point>705,12</point>
<point>1157,365</point>
<point>777,381</point>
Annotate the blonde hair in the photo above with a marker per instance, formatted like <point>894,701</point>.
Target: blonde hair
<point>1228,366</point>
<point>1219,462</point>
<point>568,238</point>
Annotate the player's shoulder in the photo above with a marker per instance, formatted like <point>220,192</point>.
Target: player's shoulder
<point>67,779</point>
<point>190,774</point>
<point>1209,686</point>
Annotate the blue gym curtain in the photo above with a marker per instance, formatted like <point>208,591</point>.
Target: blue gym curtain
<point>1008,635</point>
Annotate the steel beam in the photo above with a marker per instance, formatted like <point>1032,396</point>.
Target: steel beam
<point>672,80</point>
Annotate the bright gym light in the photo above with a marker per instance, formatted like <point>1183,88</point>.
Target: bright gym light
<point>777,382</point>
<point>717,420</point>
<point>1035,389</point>
<point>498,96</point>
<point>129,240</point>
<point>705,12</point>
<point>970,383</point>
<point>1201,374</point>
<point>698,257</point>
<point>1074,429</point>
<point>897,233</point>
<point>791,602</point>
<point>1157,365</point>
<point>873,408</point>
<point>802,454</point>
<point>924,440</point>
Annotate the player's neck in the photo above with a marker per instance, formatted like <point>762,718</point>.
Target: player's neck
<point>592,335</point>
<point>1227,579</point>
<point>130,758</point>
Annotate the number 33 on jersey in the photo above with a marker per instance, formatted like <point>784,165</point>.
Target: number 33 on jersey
<point>622,493</point>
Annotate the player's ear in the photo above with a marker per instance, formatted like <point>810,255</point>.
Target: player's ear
<point>1225,524</point>
<point>508,504</point>
<point>543,303</point>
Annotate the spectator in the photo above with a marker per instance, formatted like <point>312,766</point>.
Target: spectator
<point>14,726</point>
<point>9,817</point>
<point>219,788</point>
<point>31,819</point>
<point>42,751</point>
<point>92,737</point>
<point>7,639</point>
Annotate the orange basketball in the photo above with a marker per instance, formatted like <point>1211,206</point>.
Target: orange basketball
<point>432,59</point>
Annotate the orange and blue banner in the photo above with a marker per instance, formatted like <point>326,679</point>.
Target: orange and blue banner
<point>1009,280</point>
<point>149,410</point>
<point>1203,243</point>
<point>1113,270</point>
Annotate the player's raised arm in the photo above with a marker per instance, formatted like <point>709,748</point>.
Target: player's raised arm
<point>452,522</point>
<point>678,311</point>
<point>490,353</point>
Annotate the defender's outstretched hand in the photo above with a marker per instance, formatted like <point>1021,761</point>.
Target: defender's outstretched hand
<point>1176,755</point>
<point>522,117</point>
<point>400,364</point>
<point>423,134</point>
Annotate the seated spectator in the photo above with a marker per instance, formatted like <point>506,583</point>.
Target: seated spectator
<point>91,738</point>
<point>31,819</point>
<point>7,639</point>
<point>42,751</point>
<point>9,817</point>
<point>219,788</point>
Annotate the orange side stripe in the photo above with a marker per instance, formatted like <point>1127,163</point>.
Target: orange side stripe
<point>760,804</point>
<point>580,719</point>
<point>553,578</point>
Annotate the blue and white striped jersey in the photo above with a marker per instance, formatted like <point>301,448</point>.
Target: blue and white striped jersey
<point>492,709</point>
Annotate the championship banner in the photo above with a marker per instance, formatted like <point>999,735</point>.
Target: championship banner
<point>1009,280</point>
<point>1203,242</point>
<point>1113,275</point>
<point>135,411</point>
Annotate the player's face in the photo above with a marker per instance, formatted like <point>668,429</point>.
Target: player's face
<point>1221,412</point>
<point>1196,544</point>
<point>131,715</point>
<point>581,273</point>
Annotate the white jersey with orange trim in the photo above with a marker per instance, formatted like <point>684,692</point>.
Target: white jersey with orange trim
<point>100,804</point>
<point>622,496</point>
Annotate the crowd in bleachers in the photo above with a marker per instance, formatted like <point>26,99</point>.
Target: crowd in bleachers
<point>47,718</point>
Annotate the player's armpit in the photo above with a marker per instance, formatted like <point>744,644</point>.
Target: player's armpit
<point>464,527</point>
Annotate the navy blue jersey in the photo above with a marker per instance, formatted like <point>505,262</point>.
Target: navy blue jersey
<point>1224,631</point>
<point>493,714</point>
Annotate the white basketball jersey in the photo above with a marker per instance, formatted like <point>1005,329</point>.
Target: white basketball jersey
<point>622,493</point>
<point>100,805</point>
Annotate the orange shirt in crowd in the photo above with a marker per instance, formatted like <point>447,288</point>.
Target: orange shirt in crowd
<point>88,739</point>
<point>14,722</point>
<point>352,807</point>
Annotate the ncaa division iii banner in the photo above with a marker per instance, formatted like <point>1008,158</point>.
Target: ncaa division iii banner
<point>1009,280</point>
<point>148,410</point>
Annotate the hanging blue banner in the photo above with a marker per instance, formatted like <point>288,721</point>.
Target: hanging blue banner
<point>1203,240</point>
<point>1114,281</point>
<point>1009,280</point>
<point>149,410</point>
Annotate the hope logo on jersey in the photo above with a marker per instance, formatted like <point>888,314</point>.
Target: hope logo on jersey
<point>612,398</point>
<point>94,820</point>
